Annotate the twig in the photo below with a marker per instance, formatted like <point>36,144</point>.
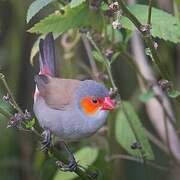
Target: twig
<point>131,158</point>
<point>134,66</point>
<point>147,38</point>
<point>167,136</point>
<point>106,61</point>
<point>156,141</point>
<point>91,59</point>
<point>149,13</point>
<point>2,77</point>
<point>159,99</point>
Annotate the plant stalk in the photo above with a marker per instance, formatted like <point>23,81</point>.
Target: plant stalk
<point>149,12</point>
<point>2,77</point>
<point>147,38</point>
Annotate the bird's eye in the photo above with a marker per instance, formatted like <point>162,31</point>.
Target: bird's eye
<point>94,100</point>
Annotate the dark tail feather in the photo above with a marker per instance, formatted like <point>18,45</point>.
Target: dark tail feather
<point>47,56</point>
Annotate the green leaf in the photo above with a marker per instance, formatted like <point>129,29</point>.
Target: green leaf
<point>125,135</point>
<point>178,2</point>
<point>64,175</point>
<point>35,7</point>
<point>75,3</point>
<point>30,124</point>
<point>85,156</point>
<point>38,159</point>
<point>173,93</point>
<point>164,25</point>
<point>97,56</point>
<point>104,6</point>
<point>147,96</point>
<point>114,57</point>
<point>71,18</point>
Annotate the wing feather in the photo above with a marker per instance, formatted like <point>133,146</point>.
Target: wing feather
<point>57,93</point>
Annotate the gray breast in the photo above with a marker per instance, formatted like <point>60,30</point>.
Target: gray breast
<point>67,125</point>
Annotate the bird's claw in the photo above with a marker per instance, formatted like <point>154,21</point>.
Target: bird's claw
<point>71,166</point>
<point>46,143</point>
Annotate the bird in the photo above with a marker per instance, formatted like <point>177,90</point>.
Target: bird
<point>70,109</point>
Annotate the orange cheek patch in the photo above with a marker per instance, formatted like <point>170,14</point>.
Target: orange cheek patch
<point>88,106</point>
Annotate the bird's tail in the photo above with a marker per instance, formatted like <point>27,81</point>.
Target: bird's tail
<point>47,60</point>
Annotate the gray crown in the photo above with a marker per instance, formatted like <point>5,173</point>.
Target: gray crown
<point>91,88</point>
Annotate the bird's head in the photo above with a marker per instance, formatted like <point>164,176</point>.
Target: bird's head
<point>93,98</point>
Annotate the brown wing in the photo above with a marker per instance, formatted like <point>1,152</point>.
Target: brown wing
<point>57,92</point>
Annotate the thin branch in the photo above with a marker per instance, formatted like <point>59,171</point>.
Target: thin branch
<point>149,13</point>
<point>134,66</point>
<point>156,141</point>
<point>133,130</point>
<point>106,61</point>
<point>2,77</point>
<point>167,136</point>
<point>131,158</point>
<point>147,38</point>
<point>91,59</point>
<point>159,99</point>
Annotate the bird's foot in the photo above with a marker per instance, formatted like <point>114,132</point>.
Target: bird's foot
<point>46,143</point>
<point>71,166</point>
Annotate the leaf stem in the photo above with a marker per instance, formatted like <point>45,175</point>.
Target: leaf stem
<point>167,136</point>
<point>2,77</point>
<point>131,158</point>
<point>134,66</point>
<point>91,59</point>
<point>149,12</point>
<point>156,141</point>
<point>106,61</point>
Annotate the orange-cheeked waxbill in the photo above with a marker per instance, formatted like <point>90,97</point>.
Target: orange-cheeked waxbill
<point>68,108</point>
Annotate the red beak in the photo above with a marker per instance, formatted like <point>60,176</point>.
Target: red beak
<point>108,104</point>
